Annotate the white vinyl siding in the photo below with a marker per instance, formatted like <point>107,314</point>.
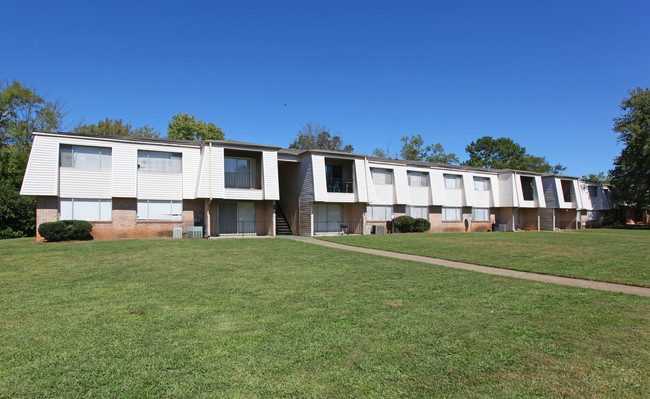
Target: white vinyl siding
<point>382,176</point>
<point>159,162</point>
<point>83,157</point>
<point>453,182</point>
<point>418,212</point>
<point>418,179</point>
<point>481,214</point>
<point>379,213</point>
<point>154,210</point>
<point>450,214</point>
<point>481,183</point>
<point>92,210</point>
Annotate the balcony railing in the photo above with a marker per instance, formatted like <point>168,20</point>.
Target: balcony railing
<point>243,180</point>
<point>338,227</point>
<point>337,185</point>
<point>245,228</point>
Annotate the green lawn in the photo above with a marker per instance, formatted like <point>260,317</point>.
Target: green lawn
<point>277,317</point>
<point>616,256</point>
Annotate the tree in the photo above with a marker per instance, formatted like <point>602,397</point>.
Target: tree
<point>631,173</point>
<point>379,153</point>
<point>22,111</point>
<point>599,178</point>
<point>117,127</point>
<point>318,137</point>
<point>413,150</point>
<point>504,153</point>
<point>186,127</point>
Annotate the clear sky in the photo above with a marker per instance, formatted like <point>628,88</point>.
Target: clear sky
<point>548,74</point>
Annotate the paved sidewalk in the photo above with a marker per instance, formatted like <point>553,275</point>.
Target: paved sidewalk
<point>545,278</point>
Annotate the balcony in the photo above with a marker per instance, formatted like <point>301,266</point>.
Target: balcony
<point>339,185</point>
<point>243,180</point>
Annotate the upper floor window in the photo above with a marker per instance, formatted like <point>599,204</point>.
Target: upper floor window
<point>593,191</point>
<point>76,156</point>
<point>382,176</point>
<point>481,183</point>
<point>159,162</point>
<point>240,173</point>
<point>528,187</point>
<point>453,182</point>
<point>418,179</point>
<point>566,190</point>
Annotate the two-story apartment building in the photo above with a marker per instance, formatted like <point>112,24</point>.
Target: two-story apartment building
<point>136,187</point>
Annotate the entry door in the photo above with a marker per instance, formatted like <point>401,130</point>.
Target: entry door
<point>227,218</point>
<point>246,218</point>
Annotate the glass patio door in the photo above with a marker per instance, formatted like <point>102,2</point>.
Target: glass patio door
<point>328,218</point>
<point>236,218</point>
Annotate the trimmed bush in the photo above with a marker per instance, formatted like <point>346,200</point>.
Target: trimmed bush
<point>404,223</point>
<point>607,220</point>
<point>421,225</point>
<point>64,230</point>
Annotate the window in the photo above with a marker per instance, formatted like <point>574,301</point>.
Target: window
<point>481,214</point>
<point>160,210</point>
<point>382,176</point>
<point>159,162</point>
<point>418,179</point>
<point>481,183</point>
<point>451,214</point>
<point>593,216</point>
<point>379,213</point>
<point>453,182</point>
<point>76,156</point>
<point>418,212</point>
<point>328,218</point>
<point>528,187</point>
<point>593,191</point>
<point>93,210</point>
<point>566,190</point>
<point>238,173</point>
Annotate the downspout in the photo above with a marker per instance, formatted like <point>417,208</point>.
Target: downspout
<point>209,189</point>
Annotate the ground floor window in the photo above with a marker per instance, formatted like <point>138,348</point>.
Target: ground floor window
<point>451,214</point>
<point>236,218</point>
<point>92,210</point>
<point>160,210</point>
<point>481,214</point>
<point>418,212</point>
<point>379,213</point>
<point>328,218</point>
<point>593,216</point>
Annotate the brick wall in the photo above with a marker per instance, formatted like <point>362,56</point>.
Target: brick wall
<point>124,223</point>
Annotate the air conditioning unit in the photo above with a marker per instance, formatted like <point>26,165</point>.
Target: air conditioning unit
<point>380,229</point>
<point>178,232</point>
<point>195,232</point>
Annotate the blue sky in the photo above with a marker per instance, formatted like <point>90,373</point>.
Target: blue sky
<point>550,75</point>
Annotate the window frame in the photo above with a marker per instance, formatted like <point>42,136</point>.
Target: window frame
<point>387,174</point>
<point>171,158</point>
<point>105,156</point>
<point>178,218</point>
<point>370,215</point>
<point>459,214</point>
<point>532,187</point>
<point>99,209</point>
<point>410,208</point>
<point>487,213</point>
<point>423,177</point>
<point>595,191</point>
<point>458,181</point>
<point>485,180</point>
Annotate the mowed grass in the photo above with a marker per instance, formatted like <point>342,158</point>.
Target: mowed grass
<point>615,256</point>
<point>281,318</point>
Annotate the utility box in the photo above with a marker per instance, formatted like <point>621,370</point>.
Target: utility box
<point>380,229</point>
<point>368,229</point>
<point>178,232</point>
<point>502,228</point>
<point>195,232</point>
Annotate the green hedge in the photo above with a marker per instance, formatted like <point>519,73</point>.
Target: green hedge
<point>64,230</point>
<point>421,225</point>
<point>407,224</point>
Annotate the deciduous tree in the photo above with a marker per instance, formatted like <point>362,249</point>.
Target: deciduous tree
<point>600,177</point>
<point>413,149</point>
<point>116,127</point>
<point>504,153</point>
<point>318,137</point>
<point>631,173</point>
<point>187,127</point>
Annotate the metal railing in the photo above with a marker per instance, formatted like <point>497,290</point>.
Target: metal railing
<point>245,228</point>
<point>338,227</point>
<point>337,185</point>
<point>243,180</point>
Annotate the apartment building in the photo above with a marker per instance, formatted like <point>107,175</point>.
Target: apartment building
<point>135,187</point>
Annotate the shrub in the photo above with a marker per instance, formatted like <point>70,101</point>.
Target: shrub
<point>404,223</point>
<point>65,230</point>
<point>421,225</point>
<point>607,220</point>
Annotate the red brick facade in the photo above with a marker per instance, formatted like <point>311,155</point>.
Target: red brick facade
<point>124,223</point>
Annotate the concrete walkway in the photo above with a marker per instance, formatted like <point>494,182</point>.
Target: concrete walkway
<point>544,278</point>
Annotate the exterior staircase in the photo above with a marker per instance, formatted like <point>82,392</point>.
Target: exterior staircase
<point>282,227</point>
